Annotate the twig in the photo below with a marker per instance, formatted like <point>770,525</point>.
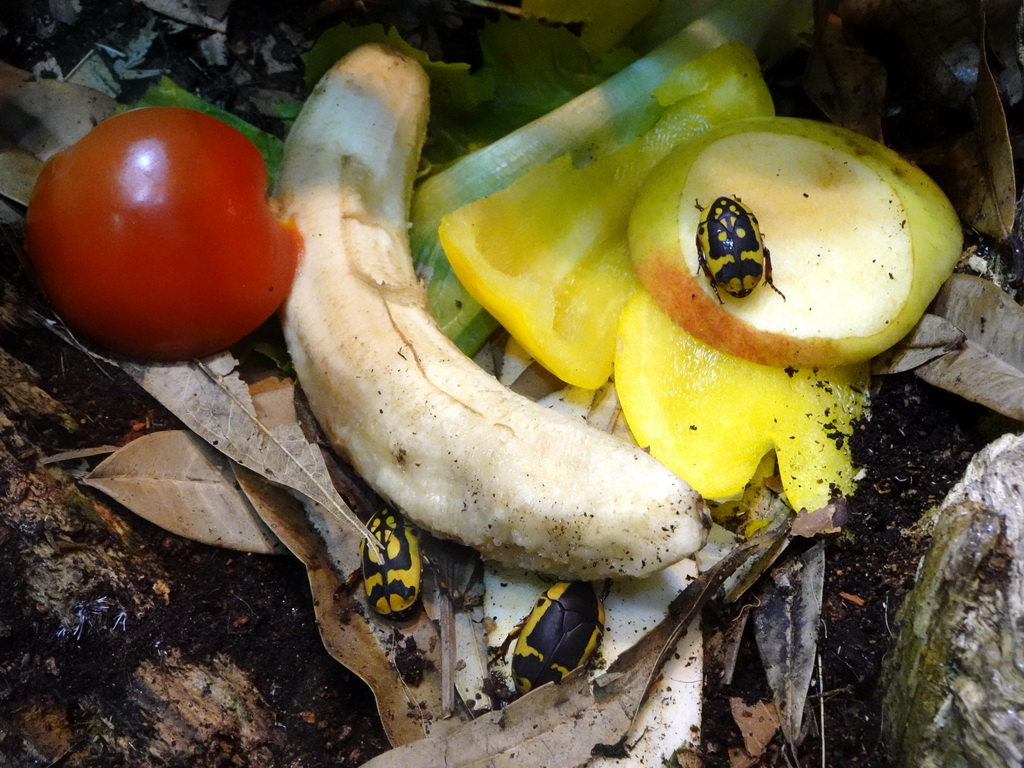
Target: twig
<point>821,707</point>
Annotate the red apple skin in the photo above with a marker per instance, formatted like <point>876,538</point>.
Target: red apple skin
<point>690,307</point>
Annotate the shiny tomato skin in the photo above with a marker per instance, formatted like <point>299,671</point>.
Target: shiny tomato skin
<point>152,236</point>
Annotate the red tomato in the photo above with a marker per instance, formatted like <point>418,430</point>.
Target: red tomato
<point>152,236</point>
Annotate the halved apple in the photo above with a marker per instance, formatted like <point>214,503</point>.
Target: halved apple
<point>860,241</point>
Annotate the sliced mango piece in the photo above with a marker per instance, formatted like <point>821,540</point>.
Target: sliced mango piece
<point>548,257</point>
<point>711,417</point>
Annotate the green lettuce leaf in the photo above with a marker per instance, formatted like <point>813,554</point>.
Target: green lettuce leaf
<point>471,108</point>
<point>451,85</point>
<point>527,86</point>
<point>605,22</point>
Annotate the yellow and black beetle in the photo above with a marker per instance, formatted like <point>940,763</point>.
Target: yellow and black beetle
<point>391,577</point>
<point>730,250</point>
<point>560,634</point>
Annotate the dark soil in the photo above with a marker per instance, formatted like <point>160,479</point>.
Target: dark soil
<point>257,609</point>
<point>912,450</point>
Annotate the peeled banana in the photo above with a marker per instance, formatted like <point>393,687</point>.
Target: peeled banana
<point>432,432</point>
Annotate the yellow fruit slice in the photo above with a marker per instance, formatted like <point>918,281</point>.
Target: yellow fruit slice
<point>554,272</point>
<point>548,255</point>
<point>711,417</point>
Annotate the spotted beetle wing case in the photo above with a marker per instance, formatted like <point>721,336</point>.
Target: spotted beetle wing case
<point>730,249</point>
<point>391,577</point>
<point>561,633</point>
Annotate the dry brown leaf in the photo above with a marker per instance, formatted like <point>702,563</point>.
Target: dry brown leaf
<point>987,366</point>
<point>177,481</point>
<point>771,508</point>
<point>738,758</point>
<point>45,116</point>
<point>191,12</point>
<point>758,724</point>
<point>976,375</point>
<point>986,314</point>
<point>786,628</point>
<point>828,519</point>
<point>980,179</point>
<point>77,454</point>
<point>458,611</point>
<point>18,171</point>
<point>273,399</point>
<point>997,214</point>
<point>931,338</point>
<point>1004,24</point>
<point>722,648</point>
<point>213,401</point>
<point>38,118</point>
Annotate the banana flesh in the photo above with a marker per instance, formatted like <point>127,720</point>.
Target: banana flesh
<point>433,433</point>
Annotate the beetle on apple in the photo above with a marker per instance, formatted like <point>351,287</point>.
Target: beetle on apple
<point>862,241</point>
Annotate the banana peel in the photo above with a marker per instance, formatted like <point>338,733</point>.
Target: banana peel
<point>432,432</point>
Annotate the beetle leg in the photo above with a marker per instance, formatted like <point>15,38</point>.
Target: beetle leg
<point>768,273</point>
<point>703,264</point>
<point>506,644</point>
